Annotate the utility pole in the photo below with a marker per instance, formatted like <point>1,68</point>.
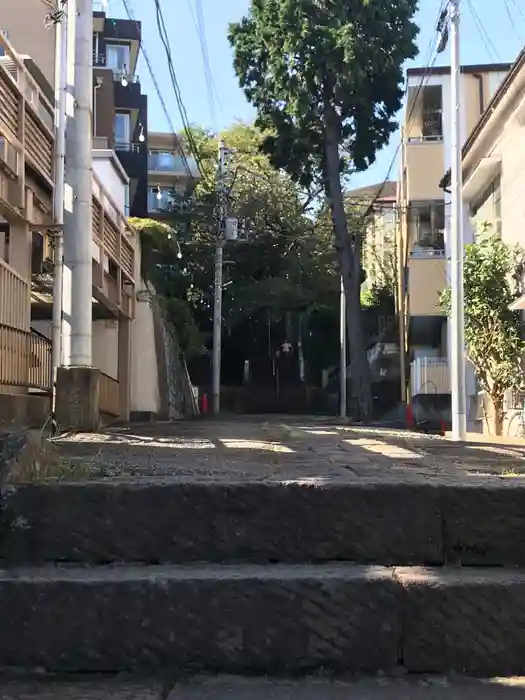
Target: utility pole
<point>61,63</point>
<point>457,334</point>
<point>401,238</point>
<point>217,286</point>
<point>78,223</point>
<point>342,347</point>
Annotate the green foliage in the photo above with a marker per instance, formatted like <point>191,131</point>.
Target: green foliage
<point>492,332</point>
<point>326,80</point>
<point>293,56</point>
<point>285,264</point>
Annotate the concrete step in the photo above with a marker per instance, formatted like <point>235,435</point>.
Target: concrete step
<point>282,619</point>
<point>173,522</point>
<point>239,688</point>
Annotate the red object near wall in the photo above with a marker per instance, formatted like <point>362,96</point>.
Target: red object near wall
<point>204,404</point>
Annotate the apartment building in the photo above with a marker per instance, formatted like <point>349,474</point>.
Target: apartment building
<point>423,242</point>
<point>120,110</point>
<point>26,230</point>
<point>493,161</point>
<point>172,173</point>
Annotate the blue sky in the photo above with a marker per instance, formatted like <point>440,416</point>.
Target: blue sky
<point>500,38</point>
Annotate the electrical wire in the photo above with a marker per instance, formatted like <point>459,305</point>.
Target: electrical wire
<point>430,60</point>
<point>199,23</point>
<point>511,20</point>
<point>518,8</point>
<point>163,34</point>
<point>485,37</point>
<point>129,12</point>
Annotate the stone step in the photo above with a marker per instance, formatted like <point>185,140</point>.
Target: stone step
<point>168,522</point>
<point>281,619</point>
<point>249,688</point>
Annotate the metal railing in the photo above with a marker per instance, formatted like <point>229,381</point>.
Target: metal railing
<point>128,146</point>
<point>14,298</point>
<point>109,395</point>
<point>429,375</point>
<point>25,359</point>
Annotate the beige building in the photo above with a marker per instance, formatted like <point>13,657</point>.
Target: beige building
<point>171,172</point>
<point>26,223</point>
<point>423,245</point>
<point>493,163</point>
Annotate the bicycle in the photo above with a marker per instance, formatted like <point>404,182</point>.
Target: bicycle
<point>520,417</point>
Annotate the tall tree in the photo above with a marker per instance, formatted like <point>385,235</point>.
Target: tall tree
<point>493,273</point>
<point>282,264</point>
<point>325,77</point>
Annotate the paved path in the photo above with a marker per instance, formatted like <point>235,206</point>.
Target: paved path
<point>254,689</point>
<point>273,449</point>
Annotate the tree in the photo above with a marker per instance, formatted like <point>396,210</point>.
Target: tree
<point>326,80</point>
<point>492,274</point>
<point>282,266</point>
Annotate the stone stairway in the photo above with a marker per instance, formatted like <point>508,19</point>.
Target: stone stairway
<point>265,578</point>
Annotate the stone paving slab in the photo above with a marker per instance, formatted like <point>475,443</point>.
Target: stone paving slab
<point>81,689</point>
<point>370,689</point>
<point>268,450</point>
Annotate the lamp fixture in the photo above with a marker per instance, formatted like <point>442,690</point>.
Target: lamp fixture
<point>123,79</point>
<point>142,136</point>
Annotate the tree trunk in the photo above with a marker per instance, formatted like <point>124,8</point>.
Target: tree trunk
<point>349,258</point>
<point>497,418</point>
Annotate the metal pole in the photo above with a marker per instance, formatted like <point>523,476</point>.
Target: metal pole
<point>78,225</point>
<point>457,321</point>
<point>58,202</point>
<point>402,235</point>
<point>217,290</point>
<point>342,345</point>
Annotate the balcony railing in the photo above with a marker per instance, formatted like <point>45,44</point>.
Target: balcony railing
<point>25,359</point>
<point>128,146</point>
<point>100,61</point>
<point>14,298</point>
<point>171,163</point>
<point>109,398</point>
<point>429,375</point>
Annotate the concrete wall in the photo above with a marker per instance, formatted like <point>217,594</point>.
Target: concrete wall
<point>24,22</point>
<point>105,347</point>
<point>112,179</point>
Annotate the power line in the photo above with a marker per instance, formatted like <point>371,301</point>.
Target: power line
<point>163,34</point>
<point>485,37</point>
<point>211,87</point>
<point>429,62</point>
<point>511,20</point>
<point>129,12</point>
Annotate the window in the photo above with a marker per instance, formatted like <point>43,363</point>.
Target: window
<point>4,242</point>
<point>121,128</point>
<point>428,225</point>
<point>164,198</point>
<point>432,113</point>
<point>487,208</point>
<point>117,58</point>
<point>126,200</point>
<point>5,34</point>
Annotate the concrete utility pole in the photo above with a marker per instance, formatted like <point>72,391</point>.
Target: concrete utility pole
<point>342,346</point>
<point>457,320</point>
<point>78,223</point>
<point>61,60</point>
<point>217,287</point>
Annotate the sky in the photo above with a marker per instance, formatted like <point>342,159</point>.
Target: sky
<point>491,31</point>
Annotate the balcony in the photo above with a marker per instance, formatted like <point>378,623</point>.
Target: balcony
<point>429,375</point>
<point>425,164</point>
<point>128,146</point>
<point>427,278</point>
<point>170,163</point>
